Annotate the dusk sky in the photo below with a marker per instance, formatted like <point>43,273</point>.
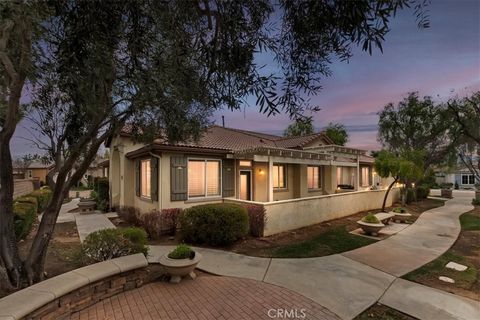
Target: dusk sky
<point>443,60</point>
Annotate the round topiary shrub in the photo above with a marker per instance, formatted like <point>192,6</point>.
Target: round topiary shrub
<point>400,210</point>
<point>215,224</point>
<point>370,218</point>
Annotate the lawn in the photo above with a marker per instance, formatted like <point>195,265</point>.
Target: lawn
<point>379,311</point>
<point>465,251</point>
<point>334,241</point>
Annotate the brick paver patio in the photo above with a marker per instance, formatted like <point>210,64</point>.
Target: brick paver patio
<point>208,297</point>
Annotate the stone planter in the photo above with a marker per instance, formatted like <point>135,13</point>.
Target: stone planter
<point>370,228</point>
<point>401,217</point>
<point>446,193</point>
<point>179,268</point>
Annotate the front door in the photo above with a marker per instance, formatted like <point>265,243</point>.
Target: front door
<point>246,185</point>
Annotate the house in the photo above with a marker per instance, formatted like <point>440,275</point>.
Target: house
<point>35,170</point>
<point>232,165</point>
<point>460,176</point>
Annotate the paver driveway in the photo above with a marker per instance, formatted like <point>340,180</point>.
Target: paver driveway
<point>206,298</point>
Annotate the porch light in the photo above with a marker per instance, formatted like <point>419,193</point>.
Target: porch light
<point>413,184</point>
<point>260,171</point>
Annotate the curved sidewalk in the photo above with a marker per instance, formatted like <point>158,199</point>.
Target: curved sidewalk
<point>350,282</point>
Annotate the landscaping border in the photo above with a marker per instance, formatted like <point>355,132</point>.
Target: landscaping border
<point>76,290</point>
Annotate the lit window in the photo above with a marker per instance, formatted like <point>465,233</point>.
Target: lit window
<point>145,178</point>
<point>365,176</point>
<point>313,177</point>
<point>279,177</point>
<point>203,178</point>
<point>245,163</point>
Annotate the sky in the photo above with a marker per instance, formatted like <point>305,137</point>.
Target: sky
<point>441,61</point>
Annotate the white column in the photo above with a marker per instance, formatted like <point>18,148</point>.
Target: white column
<point>358,174</point>
<point>270,180</point>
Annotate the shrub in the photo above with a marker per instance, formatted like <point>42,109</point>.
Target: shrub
<point>113,243</point>
<point>370,218</point>
<point>130,215</point>
<point>423,192</point>
<point>447,185</point>
<point>158,223</point>
<point>400,210</point>
<point>28,199</point>
<point>257,219</point>
<point>43,197</point>
<point>101,193</point>
<point>182,251</point>
<point>456,185</point>
<point>410,195</point>
<point>215,224</point>
<point>25,214</point>
<point>476,202</point>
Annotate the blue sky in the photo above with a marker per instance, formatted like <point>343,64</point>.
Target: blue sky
<point>441,61</point>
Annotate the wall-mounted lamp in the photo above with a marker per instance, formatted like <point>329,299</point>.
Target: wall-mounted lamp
<point>260,171</point>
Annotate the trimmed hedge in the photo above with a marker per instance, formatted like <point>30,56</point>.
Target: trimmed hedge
<point>101,193</point>
<point>43,197</point>
<point>28,199</point>
<point>113,243</point>
<point>25,214</point>
<point>214,224</point>
<point>423,192</point>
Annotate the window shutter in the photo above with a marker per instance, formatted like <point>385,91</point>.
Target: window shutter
<point>178,178</point>
<point>154,179</point>
<point>137,177</point>
<point>228,178</point>
<point>370,176</point>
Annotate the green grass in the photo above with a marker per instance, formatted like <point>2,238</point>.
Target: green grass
<point>463,279</point>
<point>470,222</point>
<point>333,241</point>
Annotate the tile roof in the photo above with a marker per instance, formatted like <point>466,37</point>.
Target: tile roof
<point>216,137</point>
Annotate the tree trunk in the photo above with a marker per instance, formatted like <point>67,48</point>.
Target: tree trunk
<point>10,263</point>
<point>386,193</point>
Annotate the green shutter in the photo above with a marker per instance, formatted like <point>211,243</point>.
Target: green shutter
<point>154,179</point>
<point>137,177</point>
<point>370,176</point>
<point>228,178</point>
<point>178,178</point>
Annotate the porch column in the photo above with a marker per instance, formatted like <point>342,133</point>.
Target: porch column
<point>270,180</point>
<point>358,174</point>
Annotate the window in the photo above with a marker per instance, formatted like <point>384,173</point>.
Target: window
<point>279,177</point>
<point>313,177</point>
<point>145,178</point>
<point>203,178</point>
<point>365,176</point>
<point>245,163</point>
<point>468,179</point>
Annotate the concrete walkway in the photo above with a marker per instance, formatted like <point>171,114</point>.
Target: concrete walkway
<point>349,283</point>
<point>91,222</point>
<point>65,215</point>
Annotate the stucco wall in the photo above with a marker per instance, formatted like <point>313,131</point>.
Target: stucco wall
<point>293,214</point>
<point>22,187</point>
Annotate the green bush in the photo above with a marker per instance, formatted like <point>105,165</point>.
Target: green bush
<point>25,214</point>
<point>399,210</point>
<point>28,199</point>
<point>43,197</point>
<point>113,243</point>
<point>410,195</point>
<point>476,202</point>
<point>101,193</point>
<point>215,224</point>
<point>182,251</point>
<point>422,192</point>
<point>370,218</point>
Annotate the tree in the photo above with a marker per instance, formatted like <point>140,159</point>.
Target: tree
<point>466,113</point>
<point>337,132</point>
<point>300,127</point>
<point>156,64</point>
<point>417,124</point>
<point>407,168</point>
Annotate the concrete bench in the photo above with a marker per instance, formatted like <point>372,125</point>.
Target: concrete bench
<point>385,217</point>
<point>86,206</point>
<point>22,303</point>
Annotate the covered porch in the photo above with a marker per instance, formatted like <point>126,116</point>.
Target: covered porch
<point>268,174</point>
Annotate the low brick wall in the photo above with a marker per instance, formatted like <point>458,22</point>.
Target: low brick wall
<point>22,187</point>
<point>91,294</point>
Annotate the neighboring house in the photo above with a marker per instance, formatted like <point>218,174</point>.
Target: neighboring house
<point>35,170</point>
<point>461,176</point>
<point>97,169</point>
<point>232,164</point>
